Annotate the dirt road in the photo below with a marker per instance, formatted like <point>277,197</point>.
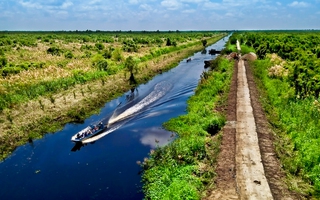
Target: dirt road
<point>247,164</point>
<point>251,181</point>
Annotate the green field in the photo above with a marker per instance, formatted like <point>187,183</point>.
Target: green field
<point>288,72</point>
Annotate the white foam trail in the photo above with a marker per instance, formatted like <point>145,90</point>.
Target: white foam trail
<point>159,91</point>
<point>92,139</point>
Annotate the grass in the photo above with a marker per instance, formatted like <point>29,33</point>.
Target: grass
<point>184,168</point>
<point>42,100</point>
<point>296,123</point>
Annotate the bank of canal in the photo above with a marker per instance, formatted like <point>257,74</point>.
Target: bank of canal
<point>107,168</point>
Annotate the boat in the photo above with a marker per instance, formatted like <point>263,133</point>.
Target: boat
<point>88,132</point>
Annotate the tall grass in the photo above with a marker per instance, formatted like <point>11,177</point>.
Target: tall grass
<point>297,124</point>
<point>182,169</point>
<point>20,92</point>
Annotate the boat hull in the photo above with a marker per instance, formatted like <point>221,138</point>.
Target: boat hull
<point>88,132</point>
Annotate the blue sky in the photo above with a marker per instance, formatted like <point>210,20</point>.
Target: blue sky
<point>152,15</point>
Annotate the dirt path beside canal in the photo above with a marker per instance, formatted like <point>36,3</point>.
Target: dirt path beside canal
<point>247,165</point>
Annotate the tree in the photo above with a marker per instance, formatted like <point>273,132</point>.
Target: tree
<point>204,42</point>
<point>168,42</point>
<point>131,65</point>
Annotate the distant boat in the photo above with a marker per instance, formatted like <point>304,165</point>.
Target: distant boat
<point>214,51</point>
<point>88,132</point>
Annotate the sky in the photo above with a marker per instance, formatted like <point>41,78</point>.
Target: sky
<point>163,15</point>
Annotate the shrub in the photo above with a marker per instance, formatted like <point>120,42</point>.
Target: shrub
<point>245,49</point>
<point>117,55</point>
<point>10,70</point>
<point>102,65</point>
<point>55,51</point>
<point>99,46</point>
<point>107,54</point>
<point>86,47</point>
<point>3,62</point>
<point>68,55</point>
<point>96,58</point>
<point>87,54</point>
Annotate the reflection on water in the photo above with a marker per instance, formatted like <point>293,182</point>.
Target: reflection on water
<point>104,168</point>
<point>155,137</point>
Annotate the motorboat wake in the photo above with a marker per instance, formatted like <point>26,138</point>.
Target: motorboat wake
<point>121,115</point>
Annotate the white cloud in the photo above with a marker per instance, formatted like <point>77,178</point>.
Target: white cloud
<point>92,2</point>
<point>155,137</point>
<point>229,14</point>
<point>278,3</point>
<point>146,7</point>
<point>29,4</point>
<point>133,1</point>
<point>213,6</point>
<point>189,11</point>
<point>298,4</point>
<point>171,4</point>
<point>66,5</point>
<point>193,1</point>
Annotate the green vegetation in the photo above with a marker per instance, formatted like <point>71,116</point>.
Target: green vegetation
<point>184,168</point>
<point>131,65</point>
<point>301,51</point>
<point>288,76</point>
<point>48,79</point>
<point>93,55</point>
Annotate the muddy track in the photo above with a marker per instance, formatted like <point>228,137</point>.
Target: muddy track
<point>247,165</point>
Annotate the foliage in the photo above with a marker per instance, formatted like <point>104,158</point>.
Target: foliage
<point>173,171</point>
<point>68,55</point>
<point>292,104</point>
<point>99,46</point>
<point>107,54</point>
<point>299,49</point>
<point>3,62</point>
<point>117,55</point>
<point>204,42</point>
<point>102,65</point>
<point>55,51</point>
<point>131,65</point>
<point>298,119</point>
<point>246,49</point>
<point>45,78</point>
<point>130,46</point>
<point>82,48</point>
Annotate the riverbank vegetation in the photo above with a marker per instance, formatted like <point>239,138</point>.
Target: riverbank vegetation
<point>49,79</point>
<point>185,168</point>
<point>287,73</point>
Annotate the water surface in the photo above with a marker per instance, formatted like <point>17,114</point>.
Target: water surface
<point>54,168</point>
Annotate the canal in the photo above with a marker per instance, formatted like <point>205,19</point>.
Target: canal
<point>106,166</point>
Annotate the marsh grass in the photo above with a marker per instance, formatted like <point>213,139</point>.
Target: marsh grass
<point>185,167</point>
